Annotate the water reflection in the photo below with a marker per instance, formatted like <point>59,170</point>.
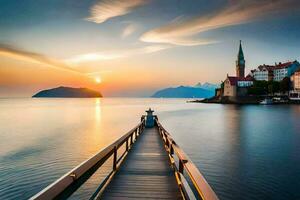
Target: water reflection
<point>98,109</point>
<point>239,149</point>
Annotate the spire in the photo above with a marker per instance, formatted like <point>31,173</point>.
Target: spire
<point>240,63</point>
<point>241,53</point>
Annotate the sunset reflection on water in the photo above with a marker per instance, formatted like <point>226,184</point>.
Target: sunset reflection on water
<point>237,148</point>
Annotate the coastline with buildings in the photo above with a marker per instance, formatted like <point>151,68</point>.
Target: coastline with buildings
<point>267,84</point>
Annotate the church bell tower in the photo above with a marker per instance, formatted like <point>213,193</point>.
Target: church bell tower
<point>240,63</point>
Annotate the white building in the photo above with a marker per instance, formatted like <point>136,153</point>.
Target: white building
<point>280,73</point>
<point>276,72</point>
<point>261,75</point>
<point>245,82</point>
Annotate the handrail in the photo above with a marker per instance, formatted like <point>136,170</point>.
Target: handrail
<point>72,180</point>
<point>202,187</point>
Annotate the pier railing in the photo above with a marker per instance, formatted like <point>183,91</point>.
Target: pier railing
<point>195,187</point>
<point>203,189</point>
<point>71,181</point>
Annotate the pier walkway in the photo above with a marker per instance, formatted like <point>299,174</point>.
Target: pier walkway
<point>146,164</point>
<point>146,173</point>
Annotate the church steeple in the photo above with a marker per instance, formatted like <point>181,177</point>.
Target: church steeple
<point>241,53</point>
<point>240,63</point>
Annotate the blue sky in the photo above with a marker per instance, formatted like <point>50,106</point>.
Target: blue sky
<point>128,42</point>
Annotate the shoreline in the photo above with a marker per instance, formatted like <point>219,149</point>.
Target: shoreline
<point>242,101</point>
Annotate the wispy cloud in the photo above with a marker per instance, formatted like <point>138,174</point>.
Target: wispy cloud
<point>95,56</point>
<point>27,56</point>
<point>106,9</point>
<point>128,30</point>
<point>182,31</point>
<point>76,64</point>
<point>117,54</point>
<point>153,49</point>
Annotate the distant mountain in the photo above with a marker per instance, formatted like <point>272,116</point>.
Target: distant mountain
<point>207,86</point>
<point>184,92</point>
<point>67,92</point>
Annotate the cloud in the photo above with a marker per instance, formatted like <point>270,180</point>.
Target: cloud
<point>153,48</point>
<point>102,56</point>
<point>75,63</point>
<point>106,9</point>
<point>27,56</point>
<point>128,30</point>
<point>182,31</point>
<point>95,56</point>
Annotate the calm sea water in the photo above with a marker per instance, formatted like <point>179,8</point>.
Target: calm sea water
<point>245,152</point>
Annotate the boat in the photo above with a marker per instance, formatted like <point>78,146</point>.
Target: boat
<point>267,101</point>
<point>294,96</point>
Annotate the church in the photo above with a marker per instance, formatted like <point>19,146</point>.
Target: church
<point>237,85</point>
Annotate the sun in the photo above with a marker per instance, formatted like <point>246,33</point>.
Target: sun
<point>98,80</point>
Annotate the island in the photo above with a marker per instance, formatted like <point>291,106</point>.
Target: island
<point>67,92</point>
<point>206,90</point>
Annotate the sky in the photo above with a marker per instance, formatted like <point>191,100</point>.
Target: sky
<point>132,48</point>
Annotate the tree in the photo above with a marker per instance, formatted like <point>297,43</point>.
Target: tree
<point>275,86</point>
<point>258,88</point>
<point>270,89</point>
<point>222,85</point>
<point>284,85</point>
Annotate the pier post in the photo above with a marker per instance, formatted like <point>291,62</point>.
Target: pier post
<point>131,139</point>
<point>180,166</point>
<point>115,159</point>
<point>171,148</point>
<point>149,118</point>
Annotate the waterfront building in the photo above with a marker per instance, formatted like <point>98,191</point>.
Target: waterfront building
<point>294,94</point>
<point>237,85</point>
<point>283,70</point>
<point>275,72</point>
<point>295,80</point>
<point>263,73</point>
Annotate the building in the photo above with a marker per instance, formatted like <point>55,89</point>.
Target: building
<point>275,72</point>
<point>263,73</point>
<point>283,70</point>
<point>295,80</point>
<point>230,86</point>
<point>237,85</point>
<point>240,63</point>
<point>294,94</point>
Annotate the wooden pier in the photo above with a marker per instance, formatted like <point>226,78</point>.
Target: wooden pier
<point>151,166</point>
<point>145,173</point>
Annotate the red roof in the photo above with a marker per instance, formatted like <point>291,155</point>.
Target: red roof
<point>276,66</point>
<point>283,65</point>
<point>249,78</point>
<point>267,67</point>
<point>233,79</point>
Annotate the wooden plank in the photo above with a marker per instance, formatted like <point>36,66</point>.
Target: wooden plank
<point>146,173</point>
